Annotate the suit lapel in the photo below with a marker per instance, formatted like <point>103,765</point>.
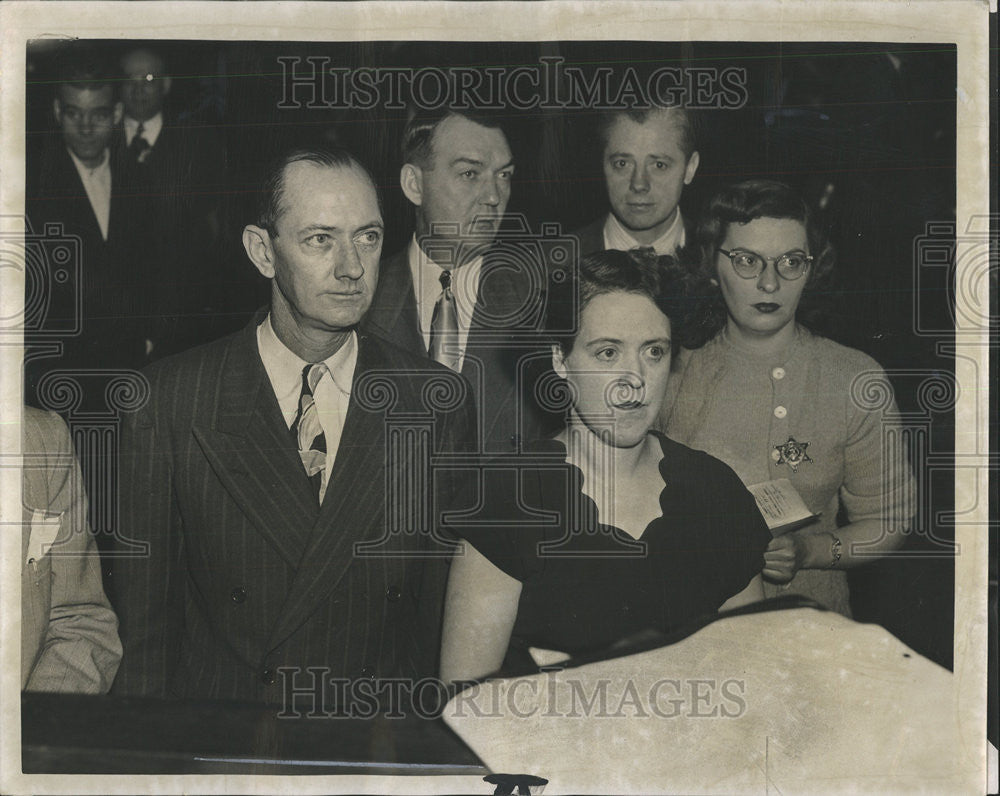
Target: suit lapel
<point>70,187</point>
<point>353,509</point>
<point>590,238</point>
<point>119,223</point>
<point>254,456</point>
<point>501,295</point>
<point>393,314</point>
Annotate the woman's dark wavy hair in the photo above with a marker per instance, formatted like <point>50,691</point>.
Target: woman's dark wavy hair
<point>740,204</point>
<point>661,279</point>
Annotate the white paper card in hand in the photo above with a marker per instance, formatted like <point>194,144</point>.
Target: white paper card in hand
<point>781,505</point>
<point>43,533</point>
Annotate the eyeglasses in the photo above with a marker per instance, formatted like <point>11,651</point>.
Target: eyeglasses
<point>750,265</point>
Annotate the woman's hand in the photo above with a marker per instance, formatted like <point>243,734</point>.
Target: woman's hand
<point>785,556</point>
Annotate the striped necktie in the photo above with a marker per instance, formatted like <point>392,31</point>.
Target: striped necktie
<point>444,326</point>
<point>307,430</point>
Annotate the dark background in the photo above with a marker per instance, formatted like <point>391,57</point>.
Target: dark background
<point>865,131</point>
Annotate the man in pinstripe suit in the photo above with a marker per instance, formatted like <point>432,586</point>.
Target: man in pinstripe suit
<point>269,555</point>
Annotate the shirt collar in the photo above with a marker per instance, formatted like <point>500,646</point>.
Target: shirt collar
<point>85,169</point>
<point>150,128</point>
<point>672,239</point>
<point>284,367</point>
<point>426,275</point>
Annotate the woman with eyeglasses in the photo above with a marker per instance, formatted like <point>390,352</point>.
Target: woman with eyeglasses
<point>605,530</point>
<point>775,401</point>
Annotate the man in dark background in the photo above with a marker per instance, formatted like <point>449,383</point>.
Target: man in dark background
<point>77,186</point>
<point>457,171</point>
<point>648,156</point>
<point>175,175</point>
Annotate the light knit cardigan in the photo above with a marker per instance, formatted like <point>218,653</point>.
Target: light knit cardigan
<point>738,406</point>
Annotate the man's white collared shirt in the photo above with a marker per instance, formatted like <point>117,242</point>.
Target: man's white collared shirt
<point>332,395</point>
<point>426,275</point>
<point>669,243</point>
<point>97,183</point>
<point>150,129</point>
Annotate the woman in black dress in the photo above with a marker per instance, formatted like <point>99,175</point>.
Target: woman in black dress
<point>607,529</point>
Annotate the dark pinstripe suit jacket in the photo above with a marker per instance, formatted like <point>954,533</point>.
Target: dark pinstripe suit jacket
<point>505,353</point>
<point>245,573</point>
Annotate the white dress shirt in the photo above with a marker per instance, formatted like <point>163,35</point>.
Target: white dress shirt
<point>617,237</point>
<point>332,395</point>
<point>97,184</point>
<point>150,129</point>
<point>426,276</point>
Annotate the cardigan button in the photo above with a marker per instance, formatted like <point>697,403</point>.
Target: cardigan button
<point>780,412</point>
<point>778,373</point>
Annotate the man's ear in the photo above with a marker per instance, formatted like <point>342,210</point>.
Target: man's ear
<point>411,180</point>
<point>167,83</point>
<point>558,361</point>
<point>57,110</point>
<point>257,242</point>
<point>692,167</point>
<point>119,110</point>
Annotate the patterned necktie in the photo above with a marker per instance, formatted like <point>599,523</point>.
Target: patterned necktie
<point>444,326</point>
<point>139,146</point>
<point>306,428</point>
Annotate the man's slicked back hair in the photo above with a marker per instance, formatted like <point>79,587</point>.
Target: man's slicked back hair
<point>418,135</point>
<point>272,192</point>
<point>686,119</point>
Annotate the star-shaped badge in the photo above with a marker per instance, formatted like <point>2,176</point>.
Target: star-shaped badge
<point>791,453</point>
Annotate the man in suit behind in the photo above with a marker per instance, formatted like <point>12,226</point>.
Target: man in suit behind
<point>175,174</point>
<point>76,192</point>
<point>454,296</point>
<point>261,463</point>
<point>648,156</point>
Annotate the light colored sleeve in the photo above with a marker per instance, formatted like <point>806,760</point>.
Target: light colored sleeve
<point>878,478</point>
<point>81,650</point>
<point>480,609</point>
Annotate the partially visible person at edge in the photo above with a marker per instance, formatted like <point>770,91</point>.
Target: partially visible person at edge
<point>69,634</point>
<point>774,400</point>
<point>651,535</point>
